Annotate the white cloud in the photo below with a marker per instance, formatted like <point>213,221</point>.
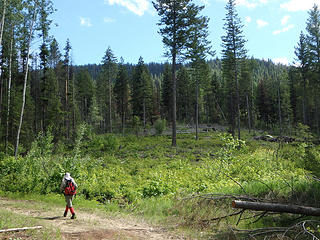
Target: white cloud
<point>262,23</point>
<point>299,5</point>
<point>138,7</point>
<point>251,3</point>
<point>285,29</point>
<point>281,60</point>
<point>85,22</point>
<point>108,20</point>
<point>248,19</point>
<point>285,20</point>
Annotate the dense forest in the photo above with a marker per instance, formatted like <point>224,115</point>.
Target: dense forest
<point>41,91</point>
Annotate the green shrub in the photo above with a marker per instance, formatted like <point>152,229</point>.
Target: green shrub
<point>101,144</point>
<point>160,125</point>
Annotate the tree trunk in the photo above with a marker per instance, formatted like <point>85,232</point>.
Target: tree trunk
<point>197,109</point>
<point>110,99</point>
<point>174,102</point>
<point>1,34</point>
<point>9,95</point>
<point>67,103</point>
<point>25,80</point>
<point>276,207</point>
<point>144,115</point>
<point>2,20</point>
<point>304,101</point>
<point>279,110</point>
<point>248,110</point>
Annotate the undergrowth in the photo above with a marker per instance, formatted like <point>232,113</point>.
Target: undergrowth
<point>146,176</point>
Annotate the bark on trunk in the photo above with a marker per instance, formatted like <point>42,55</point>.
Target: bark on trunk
<point>248,110</point>
<point>197,109</point>
<point>276,207</point>
<point>110,102</point>
<point>174,103</point>
<point>25,81</point>
<point>9,95</point>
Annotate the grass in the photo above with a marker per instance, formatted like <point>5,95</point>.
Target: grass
<point>10,220</point>
<point>146,177</point>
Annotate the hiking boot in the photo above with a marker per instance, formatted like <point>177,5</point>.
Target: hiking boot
<point>73,216</point>
<point>65,213</point>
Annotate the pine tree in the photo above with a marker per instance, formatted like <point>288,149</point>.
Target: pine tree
<point>46,9</point>
<point>184,95</point>
<point>302,53</point>
<point>105,86</point>
<point>85,93</point>
<point>234,53</point>
<point>313,39</point>
<point>121,91</point>
<point>33,11</point>
<point>142,92</point>
<point>166,94</point>
<point>198,49</point>
<point>67,77</point>
<point>174,31</point>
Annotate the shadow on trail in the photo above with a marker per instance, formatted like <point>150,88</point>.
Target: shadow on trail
<point>51,218</point>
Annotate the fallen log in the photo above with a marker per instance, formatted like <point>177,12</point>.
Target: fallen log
<point>19,229</point>
<point>276,207</point>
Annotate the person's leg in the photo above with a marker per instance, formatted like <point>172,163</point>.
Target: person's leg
<point>66,211</point>
<point>67,205</point>
<point>71,208</point>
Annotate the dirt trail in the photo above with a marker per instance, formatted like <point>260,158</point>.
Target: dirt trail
<point>88,225</point>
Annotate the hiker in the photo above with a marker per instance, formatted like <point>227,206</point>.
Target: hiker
<point>68,187</point>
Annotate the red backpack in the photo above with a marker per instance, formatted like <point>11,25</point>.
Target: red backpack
<point>70,188</point>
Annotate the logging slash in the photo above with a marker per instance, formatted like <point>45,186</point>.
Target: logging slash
<point>19,229</point>
<point>276,207</point>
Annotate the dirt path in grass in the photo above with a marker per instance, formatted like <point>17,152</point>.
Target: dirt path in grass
<point>88,225</point>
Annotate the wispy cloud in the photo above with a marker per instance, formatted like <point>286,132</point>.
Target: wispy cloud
<point>299,5</point>
<point>108,20</point>
<point>251,3</point>
<point>285,20</point>
<point>285,29</point>
<point>262,23</point>
<point>138,7</point>
<point>86,22</point>
<point>281,60</point>
<point>248,19</point>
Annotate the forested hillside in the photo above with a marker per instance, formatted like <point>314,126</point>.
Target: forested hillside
<point>178,139</point>
<point>46,91</point>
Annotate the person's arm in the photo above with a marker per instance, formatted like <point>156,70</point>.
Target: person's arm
<point>63,185</point>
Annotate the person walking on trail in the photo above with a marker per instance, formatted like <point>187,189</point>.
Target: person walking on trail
<point>68,187</point>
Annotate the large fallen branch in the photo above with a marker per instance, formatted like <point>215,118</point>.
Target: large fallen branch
<point>19,229</point>
<point>276,207</point>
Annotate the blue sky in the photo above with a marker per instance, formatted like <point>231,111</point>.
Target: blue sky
<point>129,27</point>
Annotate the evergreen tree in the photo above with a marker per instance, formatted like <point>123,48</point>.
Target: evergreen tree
<point>302,53</point>
<point>234,53</point>
<point>85,93</point>
<point>121,91</point>
<point>198,48</point>
<point>184,95</point>
<point>313,38</point>
<point>174,31</point>
<point>46,9</point>
<point>166,93</point>
<point>105,86</point>
<point>141,92</point>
